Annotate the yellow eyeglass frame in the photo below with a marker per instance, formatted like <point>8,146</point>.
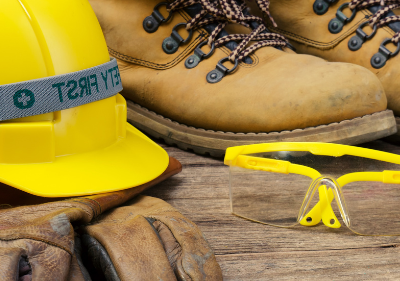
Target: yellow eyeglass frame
<point>239,156</point>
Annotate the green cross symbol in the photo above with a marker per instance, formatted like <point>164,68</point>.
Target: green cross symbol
<point>24,99</point>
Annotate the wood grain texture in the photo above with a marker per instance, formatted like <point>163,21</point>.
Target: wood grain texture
<point>252,251</point>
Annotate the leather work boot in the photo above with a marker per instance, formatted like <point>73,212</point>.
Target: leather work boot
<point>191,83</point>
<point>359,31</point>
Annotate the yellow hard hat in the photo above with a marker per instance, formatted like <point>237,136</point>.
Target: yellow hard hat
<point>63,129</point>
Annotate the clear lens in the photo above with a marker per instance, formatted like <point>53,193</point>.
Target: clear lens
<point>368,207</point>
<point>373,207</point>
<point>266,197</point>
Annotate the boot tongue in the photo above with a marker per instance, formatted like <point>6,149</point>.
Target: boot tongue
<point>393,25</point>
<point>197,8</point>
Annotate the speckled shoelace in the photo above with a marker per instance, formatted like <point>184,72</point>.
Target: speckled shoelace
<point>222,12</point>
<point>380,18</point>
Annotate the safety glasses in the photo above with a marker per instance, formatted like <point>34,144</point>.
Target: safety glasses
<point>285,184</point>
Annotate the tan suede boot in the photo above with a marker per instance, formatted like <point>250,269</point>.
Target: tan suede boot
<point>180,90</point>
<point>359,32</point>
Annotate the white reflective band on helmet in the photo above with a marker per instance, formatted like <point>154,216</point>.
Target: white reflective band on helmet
<point>59,92</point>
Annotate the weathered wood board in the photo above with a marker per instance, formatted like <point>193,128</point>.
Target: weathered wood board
<point>252,251</point>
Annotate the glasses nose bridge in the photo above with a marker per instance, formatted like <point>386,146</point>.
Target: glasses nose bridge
<point>327,189</point>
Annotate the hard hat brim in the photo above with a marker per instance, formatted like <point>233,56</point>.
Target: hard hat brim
<point>129,162</point>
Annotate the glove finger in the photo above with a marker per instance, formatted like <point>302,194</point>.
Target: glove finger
<point>14,265</point>
<point>189,252</point>
<point>77,270</point>
<point>171,247</point>
<point>186,247</point>
<point>41,261</point>
<point>76,273</point>
<point>99,258</point>
<point>128,246</point>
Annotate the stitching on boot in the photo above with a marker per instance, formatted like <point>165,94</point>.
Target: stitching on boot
<point>202,34</point>
<point>321,45</point>
<point>329,45</point>
<point>168,65</point>
<point>175,61</point>
<point>178,59</point>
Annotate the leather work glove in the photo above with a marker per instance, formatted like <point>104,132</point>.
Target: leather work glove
<point>38,242</point>
<point>147,239</point>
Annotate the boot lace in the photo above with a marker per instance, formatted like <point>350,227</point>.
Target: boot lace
<point>379,19</point>
<point>223,12</point>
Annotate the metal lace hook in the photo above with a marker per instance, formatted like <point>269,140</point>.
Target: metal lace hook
<point>336,24</point>
<point>356,42</point>
<point>152,22</point>
<point>379,59</point>
<point>171,44</point>
<point>199,55</point>
<point>221,71</point>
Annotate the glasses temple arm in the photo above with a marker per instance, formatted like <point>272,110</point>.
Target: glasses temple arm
<point>385,177</point>
<point>274,166</point>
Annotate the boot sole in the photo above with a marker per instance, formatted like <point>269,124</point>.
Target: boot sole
<point>207,142</point>
<point>395,139</point>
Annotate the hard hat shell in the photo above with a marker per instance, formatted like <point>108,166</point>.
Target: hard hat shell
<point>87,149</point>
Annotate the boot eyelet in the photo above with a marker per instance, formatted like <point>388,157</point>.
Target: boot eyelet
<point>379,59</point>
<point>171,44</point>
<point>356,42</point>
<point>322,6</point>
<point>221,71</point>
<point>336,24</point>
<point>199,55</point>
<point>152,22</point>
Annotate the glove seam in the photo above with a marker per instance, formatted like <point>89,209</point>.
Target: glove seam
<point>175,267</point>
<point>129,216</point>
<point>160,211</point>
<point>37,239</point>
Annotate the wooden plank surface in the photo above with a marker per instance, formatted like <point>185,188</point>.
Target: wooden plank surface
<point>251,251</point>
